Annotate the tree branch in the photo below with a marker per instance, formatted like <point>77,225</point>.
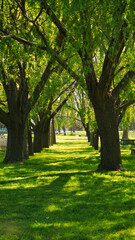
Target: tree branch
<point>125,105</point>
<point>63,92</point>
<point>69,117</point>
<point>46,74</point>
<point>59,24</point>
<point>48,48</point>
<point>121,85</point>
<point>121,68</point>
<point>22,40</point>
<point>111,61</point>
<point>4,117</point>
<point>63,102</point>
<point>87,61</point>
<point>70,107</point>
<point>122,109</point>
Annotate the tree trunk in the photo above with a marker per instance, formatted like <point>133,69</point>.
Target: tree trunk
<point>64,129</point>
<point>15,143</point>
<point>125,133</point>
<point>89,136</point>
<point>95,139</point>
<point>59,129</point>
<point>107,121</point>
<point>87,130</point>
<point>25,149</point>
<point>46,138</point>
<point>46,135</point>
<point>37,140</point>
<point>53,132</point>
<point>73,128</point>
<point>30,143</point>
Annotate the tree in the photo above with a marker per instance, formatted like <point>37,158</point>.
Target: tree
<point>126,121</point>
<point>23,71</point>
<point>102,33</point>
<point>80,106</point>
<point>83,109</point>
<point>19,106</point>
<point>49,104</point>
<point>132,124</point>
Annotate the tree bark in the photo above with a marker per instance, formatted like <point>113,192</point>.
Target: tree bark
<point>87,130</point>
<point>50,134</point>
<point>125,133</point>
<point>46,134</point>
<point>95,139</point>
<point>37,139</point>
<point>46,138</point>
<point>107,121</point>
<point>30,143</point>
<point>15,143</point>
<point>25,149</point>
<point>53,132</point>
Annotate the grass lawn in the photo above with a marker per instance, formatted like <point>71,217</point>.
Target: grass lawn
<point>57,195</point>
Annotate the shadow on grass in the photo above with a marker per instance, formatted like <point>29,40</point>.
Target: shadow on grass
<point>56,195</point>
<point>70,206</point>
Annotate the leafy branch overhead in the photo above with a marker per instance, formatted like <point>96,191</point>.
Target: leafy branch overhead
<point>91,44</point>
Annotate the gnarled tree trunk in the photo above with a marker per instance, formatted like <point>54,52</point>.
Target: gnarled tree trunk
<point>25,148</point>
<point>87,130</point>
<point>95,139</point>
<point>30,143</point>
<point>107,121</point>
<point>53,132</point>
<point>15,143</point>
<point>37,139</point>
<point>46,134</point>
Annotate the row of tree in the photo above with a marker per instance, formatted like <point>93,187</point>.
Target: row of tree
<point>49,48</point>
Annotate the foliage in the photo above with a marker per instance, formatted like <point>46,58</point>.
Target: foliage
<point>128,117</point>
<point>21,64</point>
<point>55,92</point>
<point>93,30</point>
<point>92,40</point>
<point>79,105</point>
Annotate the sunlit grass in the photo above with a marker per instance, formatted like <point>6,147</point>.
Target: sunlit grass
<point>57,195</point>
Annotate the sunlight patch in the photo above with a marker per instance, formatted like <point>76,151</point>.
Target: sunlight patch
<point>52,208</point>
<point>72,185</point>
<point>81,193</point>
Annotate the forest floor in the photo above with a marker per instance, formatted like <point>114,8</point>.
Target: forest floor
<point>57,195</point>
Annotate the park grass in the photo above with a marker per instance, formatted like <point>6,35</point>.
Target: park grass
<point>57,195</point>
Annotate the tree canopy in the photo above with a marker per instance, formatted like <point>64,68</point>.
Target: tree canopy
<point>92,40</point>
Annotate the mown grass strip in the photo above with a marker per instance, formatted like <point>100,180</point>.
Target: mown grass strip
<point>57,195</point>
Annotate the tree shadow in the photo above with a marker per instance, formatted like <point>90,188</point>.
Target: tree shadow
<point>61,197</point>
<point>70,206</point>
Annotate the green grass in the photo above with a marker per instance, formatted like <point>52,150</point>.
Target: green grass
<point>57,195</point>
